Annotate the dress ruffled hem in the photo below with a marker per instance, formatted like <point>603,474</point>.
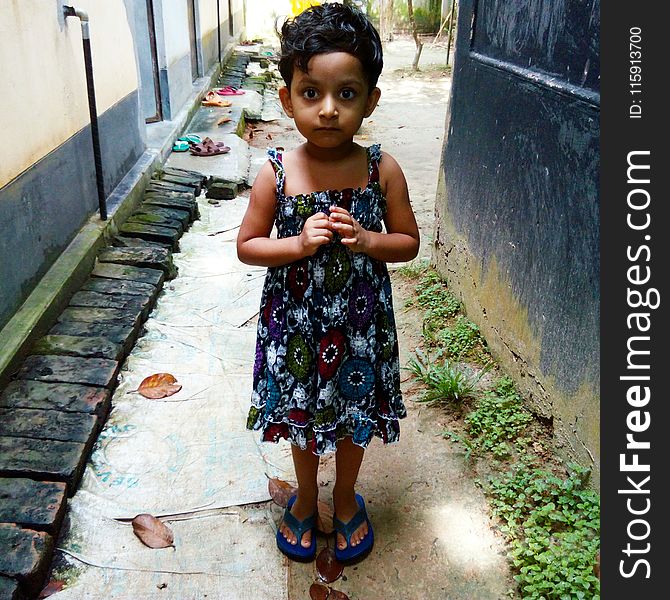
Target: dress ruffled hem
<point>325,441</point>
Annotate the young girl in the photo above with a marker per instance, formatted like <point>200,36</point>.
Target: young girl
<point>326,373</point>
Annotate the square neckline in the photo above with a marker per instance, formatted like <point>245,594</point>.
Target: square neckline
<point>280,176</point>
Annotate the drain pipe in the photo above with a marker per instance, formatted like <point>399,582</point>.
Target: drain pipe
<point>70,11</point>
<point>218,28</point>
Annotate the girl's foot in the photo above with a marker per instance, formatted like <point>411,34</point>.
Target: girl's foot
<point>345,509</point>
<point>301,511</point>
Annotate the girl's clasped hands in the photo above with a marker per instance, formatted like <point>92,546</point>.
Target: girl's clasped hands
<point>319,229</point>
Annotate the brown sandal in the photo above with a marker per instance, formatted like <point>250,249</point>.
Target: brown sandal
<point>209,148</point>
<point>213,99</point>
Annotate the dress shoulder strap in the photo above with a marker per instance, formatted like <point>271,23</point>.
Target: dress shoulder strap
<point>275,156</point>
<point>374,156</point>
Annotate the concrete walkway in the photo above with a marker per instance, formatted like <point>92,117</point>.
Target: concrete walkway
<point>188,458</point>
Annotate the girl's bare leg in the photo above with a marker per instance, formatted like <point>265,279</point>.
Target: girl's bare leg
<point>348,459</point>
<point>306,465</point>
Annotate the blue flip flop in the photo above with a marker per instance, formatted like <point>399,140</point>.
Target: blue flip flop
<point>297,551</point>
<point>352,554</point>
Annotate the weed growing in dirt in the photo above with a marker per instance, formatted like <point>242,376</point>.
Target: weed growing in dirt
<point>460,340</point>
<point>414,269</point>
<point>498,420</point>
<point>446,383</point>
<point>551,523</point>
<point>553,527</point>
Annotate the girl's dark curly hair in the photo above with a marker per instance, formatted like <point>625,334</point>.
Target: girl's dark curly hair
<point>330,28</point>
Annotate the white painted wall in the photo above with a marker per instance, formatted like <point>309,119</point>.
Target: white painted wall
<point>207,14</point>
<point>42,77</point>
<point>175,30</point>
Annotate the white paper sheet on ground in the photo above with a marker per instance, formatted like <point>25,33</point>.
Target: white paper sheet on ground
<point>190,452</point>
<point>228,555</point>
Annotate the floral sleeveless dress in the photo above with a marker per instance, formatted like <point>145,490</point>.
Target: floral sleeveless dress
<point>326,362</point>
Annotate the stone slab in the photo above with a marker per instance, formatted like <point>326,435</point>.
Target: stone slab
<point>100,372</point>
<point>125,272</point>
<point>187,181</point>
<point>129,302</point>
<point>147,218</point>
<point>121,241</point>
<point>38,505</point>
<point>164,193</point>
<point>87,314</point>
<point>164,201</point>
<point>69,397</point>
<point>158,233</point>
<point>222,190</point>
<point>49,460</point>
<point>9,589</point>
<point>194,175</point>
<point>49,425</point>
<point>157,185</point>
<point>152,258</point>
<point>25,555</point>
<point>119,334</point>
<point>174,214</point>
<point>70,345</point>
<point>120,286</point>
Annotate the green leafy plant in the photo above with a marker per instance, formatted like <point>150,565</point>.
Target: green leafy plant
<point>459,341</point>
<point>553,526</point>
<point>498,420</point>
<point>414,269</point>
<point>445,383</point>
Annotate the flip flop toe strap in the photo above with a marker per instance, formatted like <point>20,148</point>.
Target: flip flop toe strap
<point>298,527</point>
<point>348,529</point>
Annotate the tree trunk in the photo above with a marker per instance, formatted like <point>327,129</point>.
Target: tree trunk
<point>386,20</point>
<point>415,34</point>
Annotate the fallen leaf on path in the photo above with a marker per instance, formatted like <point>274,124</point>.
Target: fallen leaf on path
<point>318,592</point>
<point>281,491</point>
<point>152,532</point>
<point>51,588</point>
<point>159,385</point>
<point>324,520</point>
<point>328,567</point>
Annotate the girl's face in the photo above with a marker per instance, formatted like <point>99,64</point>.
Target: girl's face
<point>330,101</point>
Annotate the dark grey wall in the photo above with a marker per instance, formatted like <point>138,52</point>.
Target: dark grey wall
<point>520,190</point>
<point>44,207</point>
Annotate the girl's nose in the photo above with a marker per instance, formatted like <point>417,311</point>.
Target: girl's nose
<point>328,108</point>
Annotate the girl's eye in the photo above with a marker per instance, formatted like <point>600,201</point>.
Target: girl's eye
<point>347,94</point>
<point>310,93</point>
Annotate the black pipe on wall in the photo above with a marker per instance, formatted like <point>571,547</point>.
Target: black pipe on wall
<point>70,11</point>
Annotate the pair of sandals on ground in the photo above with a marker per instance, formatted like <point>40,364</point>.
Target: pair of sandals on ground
<point>199,146</point>
<point>213,97</point>
<point>350,554</point>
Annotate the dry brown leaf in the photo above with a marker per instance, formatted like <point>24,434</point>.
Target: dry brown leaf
<point>159,385</point>
<point>327,566</point>
<point>318,592</point>
<point>281,491</point>
<point>152,532</point>
<point>51,588</point>
<point>324,520</point>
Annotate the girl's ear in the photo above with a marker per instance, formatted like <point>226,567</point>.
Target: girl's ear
<point>373,99</point>
<point>285,99</point>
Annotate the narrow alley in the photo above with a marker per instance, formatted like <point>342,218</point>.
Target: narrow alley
<point>188,458</point>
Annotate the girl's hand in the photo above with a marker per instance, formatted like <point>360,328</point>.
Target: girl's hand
<point>350,230</point>
<point>316,232</point>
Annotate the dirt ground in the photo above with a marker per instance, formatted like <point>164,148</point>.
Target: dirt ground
<point>433,535</point>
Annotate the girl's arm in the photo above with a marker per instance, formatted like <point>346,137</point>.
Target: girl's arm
<point>400,243</point>
<point>254,245</point>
